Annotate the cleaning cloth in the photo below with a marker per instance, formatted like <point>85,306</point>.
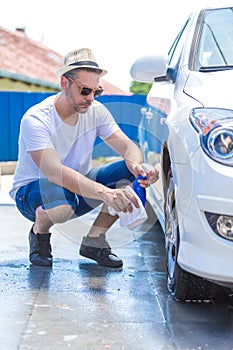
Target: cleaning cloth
<point>134,219</point>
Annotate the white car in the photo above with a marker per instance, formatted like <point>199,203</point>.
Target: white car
<point>186,132</point>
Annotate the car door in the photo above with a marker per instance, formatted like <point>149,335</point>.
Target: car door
<point>154,125</point>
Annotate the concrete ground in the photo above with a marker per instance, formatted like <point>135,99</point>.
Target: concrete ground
<point>76,304</point>
<point>80,305</point>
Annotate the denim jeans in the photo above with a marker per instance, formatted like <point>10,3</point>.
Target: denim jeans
<point>48,195</point>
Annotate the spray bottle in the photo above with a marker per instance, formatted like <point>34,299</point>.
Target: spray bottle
<point>139,215</point>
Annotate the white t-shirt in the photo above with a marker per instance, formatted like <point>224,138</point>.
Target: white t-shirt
<point>41,128</point>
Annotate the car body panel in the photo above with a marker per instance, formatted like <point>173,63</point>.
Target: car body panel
<point>201,183</point>
<point>212,89</point>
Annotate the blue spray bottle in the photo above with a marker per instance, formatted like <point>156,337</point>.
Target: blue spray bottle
<point>141,191</point>
<point>132,220</point>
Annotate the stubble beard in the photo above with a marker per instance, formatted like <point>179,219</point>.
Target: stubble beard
<point>81,108</point>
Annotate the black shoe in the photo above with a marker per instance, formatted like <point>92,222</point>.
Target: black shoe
<point>98,249</point>
<point>40,249</point>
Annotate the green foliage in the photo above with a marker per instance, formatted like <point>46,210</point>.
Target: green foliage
<point>139,88</point>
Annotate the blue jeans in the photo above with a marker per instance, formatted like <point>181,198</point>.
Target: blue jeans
<point>48,195</point>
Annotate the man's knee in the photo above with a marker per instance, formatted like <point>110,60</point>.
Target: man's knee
<point>58,214</point>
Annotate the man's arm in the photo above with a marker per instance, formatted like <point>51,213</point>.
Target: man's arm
<point>132,155</point>
<point>50,164</point>
<point>128,150</point>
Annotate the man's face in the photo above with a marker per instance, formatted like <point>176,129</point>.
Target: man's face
<point>82,89</point>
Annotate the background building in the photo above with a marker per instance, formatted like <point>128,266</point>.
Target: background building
<point>28,65</point>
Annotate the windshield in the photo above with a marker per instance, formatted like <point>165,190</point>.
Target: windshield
<point>216,40</point>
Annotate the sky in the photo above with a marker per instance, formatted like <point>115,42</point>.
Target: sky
<point>118,32</point>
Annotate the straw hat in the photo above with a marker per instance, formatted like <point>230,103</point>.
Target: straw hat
<point>80,58</point>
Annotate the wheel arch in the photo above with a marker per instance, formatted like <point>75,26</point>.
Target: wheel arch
<point>165,167</point>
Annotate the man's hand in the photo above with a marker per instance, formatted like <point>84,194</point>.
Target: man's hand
<point>152,177</point>
<point>137,169</point>
<point>119,199</point>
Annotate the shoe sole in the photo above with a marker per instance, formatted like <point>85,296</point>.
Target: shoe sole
<point>48,264</point>
<point>100,263</point>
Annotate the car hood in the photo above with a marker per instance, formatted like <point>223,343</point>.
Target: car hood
<point>211,89</point>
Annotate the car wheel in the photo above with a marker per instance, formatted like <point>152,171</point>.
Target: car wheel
<point>182,285</point>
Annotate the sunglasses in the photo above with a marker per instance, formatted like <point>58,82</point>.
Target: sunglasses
<point>85,91</point>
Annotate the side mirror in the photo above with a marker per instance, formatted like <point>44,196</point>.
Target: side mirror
<point>145,69</point>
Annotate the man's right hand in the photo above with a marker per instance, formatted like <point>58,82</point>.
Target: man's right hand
<point>119,199</point>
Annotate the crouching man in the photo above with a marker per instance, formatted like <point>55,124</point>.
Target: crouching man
<point>54,180</point>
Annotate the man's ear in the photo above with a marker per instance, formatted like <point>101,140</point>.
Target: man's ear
<point>64,82</point>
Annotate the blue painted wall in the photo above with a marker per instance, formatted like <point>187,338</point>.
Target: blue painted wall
<point>125,109</point>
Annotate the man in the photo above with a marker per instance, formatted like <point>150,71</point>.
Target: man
<point>54,181</point>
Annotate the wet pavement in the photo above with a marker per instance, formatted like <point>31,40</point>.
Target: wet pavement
<point>80,305</point>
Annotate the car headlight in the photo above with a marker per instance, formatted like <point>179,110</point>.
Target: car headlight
<point>221,224</point>
<point>215,127</point>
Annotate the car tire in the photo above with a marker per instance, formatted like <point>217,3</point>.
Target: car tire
<point>182,285</point>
